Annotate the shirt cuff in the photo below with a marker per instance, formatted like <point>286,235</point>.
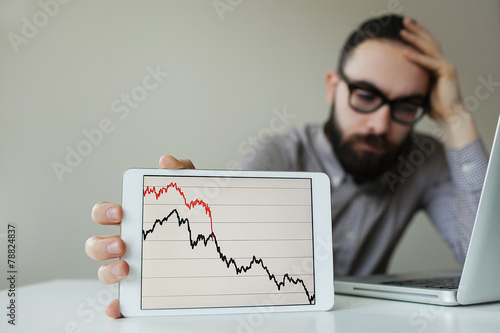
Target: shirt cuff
<point>468,165</point>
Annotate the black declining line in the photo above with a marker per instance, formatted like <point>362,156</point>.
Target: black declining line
<point>230,261</point>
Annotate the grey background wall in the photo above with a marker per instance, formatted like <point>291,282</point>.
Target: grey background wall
<point>67,67</point>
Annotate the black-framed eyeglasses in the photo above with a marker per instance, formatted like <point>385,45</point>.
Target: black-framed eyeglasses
<point>366,98</point>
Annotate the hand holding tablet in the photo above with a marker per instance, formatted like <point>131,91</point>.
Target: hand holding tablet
<point>112,246</point>
<point>206,242</point>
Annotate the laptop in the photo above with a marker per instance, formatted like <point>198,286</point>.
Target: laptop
<point>478,281</point>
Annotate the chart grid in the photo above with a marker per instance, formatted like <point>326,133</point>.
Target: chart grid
<point>226,242</point>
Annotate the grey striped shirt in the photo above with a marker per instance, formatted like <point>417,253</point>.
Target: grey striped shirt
<point>369,219</point>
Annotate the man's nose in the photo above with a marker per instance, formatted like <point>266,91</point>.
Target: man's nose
<point>380,120</point>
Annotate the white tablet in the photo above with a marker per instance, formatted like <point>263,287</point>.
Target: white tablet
<point>208,242</point>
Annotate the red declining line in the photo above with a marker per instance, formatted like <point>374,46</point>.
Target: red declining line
<point>191,204</point>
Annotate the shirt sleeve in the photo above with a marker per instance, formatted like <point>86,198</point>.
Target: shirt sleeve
<point>452,201</point>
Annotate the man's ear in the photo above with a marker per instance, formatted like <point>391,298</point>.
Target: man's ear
<point>332,79</point>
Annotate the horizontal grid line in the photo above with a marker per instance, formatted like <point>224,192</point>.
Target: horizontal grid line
<point>231,205</point>
<point>237,222</point>
<point>231,187</point>
<point>222,276</point>
<point>206,295</point>
<point>235,258</point>
<point>233,240</point>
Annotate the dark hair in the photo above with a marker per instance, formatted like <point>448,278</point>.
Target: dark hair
<point>383,27</point>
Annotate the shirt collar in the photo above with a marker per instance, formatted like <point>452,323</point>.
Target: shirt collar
<point>330,162</point>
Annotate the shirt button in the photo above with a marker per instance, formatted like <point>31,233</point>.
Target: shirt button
<point>336,180</point>
<point>350,235</point>
<point>467,167</point>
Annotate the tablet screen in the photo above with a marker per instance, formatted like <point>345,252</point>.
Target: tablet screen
<point>211,242</point>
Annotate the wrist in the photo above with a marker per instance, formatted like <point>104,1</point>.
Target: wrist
<point>457,126</point>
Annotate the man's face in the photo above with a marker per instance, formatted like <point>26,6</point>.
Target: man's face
<point>367,144</point>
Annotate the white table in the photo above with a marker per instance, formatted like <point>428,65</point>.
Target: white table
<point>78,306</point>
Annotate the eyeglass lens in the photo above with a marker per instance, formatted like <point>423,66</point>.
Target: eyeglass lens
<point>366,101</point>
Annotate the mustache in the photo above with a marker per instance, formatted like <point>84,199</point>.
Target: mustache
<point>372,139</point>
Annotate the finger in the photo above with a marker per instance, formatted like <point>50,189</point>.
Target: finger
<point>419,37</point>
<point>170,162</point>
<point>113,309</point>
<point>105,247</point>
<point>423,60</point>
<point>113,272</point>
<point>417,29</point>
<point>107,213</point>
<point>430,47</point>
<point>439,65</point>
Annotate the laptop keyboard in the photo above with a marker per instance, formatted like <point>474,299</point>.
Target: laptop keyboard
<point>438,283</point>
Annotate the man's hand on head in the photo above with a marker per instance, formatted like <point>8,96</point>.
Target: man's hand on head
<point>445,99</point>
<point>444,94</point>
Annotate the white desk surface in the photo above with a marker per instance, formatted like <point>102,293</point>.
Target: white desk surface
<point>78,306</point>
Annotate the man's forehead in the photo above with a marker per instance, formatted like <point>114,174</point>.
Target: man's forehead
<point>383,64</point>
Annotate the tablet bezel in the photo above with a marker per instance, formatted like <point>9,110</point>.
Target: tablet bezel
<point>131,233</point>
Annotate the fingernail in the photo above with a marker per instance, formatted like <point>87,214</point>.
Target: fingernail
<point>113,248</point>
<point>116,271</point>
<point>112,214</point>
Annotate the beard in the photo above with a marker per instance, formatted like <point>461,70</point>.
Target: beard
<point>363,165</point>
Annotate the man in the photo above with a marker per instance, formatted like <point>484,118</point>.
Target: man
<point>391,73</point>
